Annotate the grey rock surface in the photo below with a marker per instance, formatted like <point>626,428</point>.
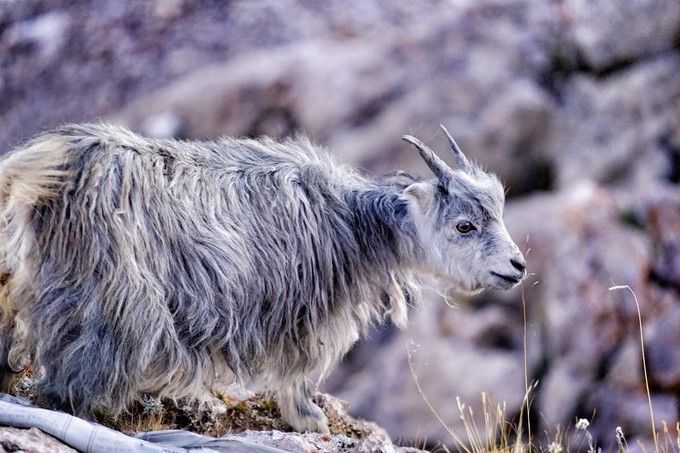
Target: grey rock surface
<point>17,415</point>
<point>30,440</point>
<point>629,410</point>
<point>447,364</point>
<point>614,130</point>
<point>609,33</point>
<point>662,214</point>
<point>372,91</point>
<point>663,353</point>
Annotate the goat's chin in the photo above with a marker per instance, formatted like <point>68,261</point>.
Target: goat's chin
<point>469,288</point>
<point>503,286</point>
<point>446,282</point>
<point>469,292</point>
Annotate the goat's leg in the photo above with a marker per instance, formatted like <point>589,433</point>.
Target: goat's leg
<point>6,318</point>
<point>19,355</point>
<point>210,403</point>
<point>298,410</point>
<point>5,341</point>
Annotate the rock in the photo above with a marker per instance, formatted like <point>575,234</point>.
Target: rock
<point>46,32</point>
<point>578,250</point>
<point>273,442</point>
<point>536,222</point>
<point>447,367</point>
<point>612,130</point>
<point>30,440</point>
<point>513,151</point>
<point>560,394</point>
<point>639,445</point>
<point>663,354</point>
<point>626,369</point>
<point>662,216</point>
<point>312,442</point>
<point>614,407</point>
<point>242,425</point>
<point>607,33</point>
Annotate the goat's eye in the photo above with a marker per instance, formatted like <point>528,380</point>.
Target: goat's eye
<point>465,227</point>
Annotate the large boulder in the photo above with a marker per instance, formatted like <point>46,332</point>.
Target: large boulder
<point>616,130</point>
<point>616,407</point>
<point>608,33</point>
<point>663,353</point>
<point>252,424</point>
<point>661,213</point>
<point>582,249</point>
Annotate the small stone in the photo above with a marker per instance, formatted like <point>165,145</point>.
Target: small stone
<point>30,440</point>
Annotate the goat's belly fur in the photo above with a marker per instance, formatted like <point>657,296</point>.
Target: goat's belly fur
<point>133,267</point>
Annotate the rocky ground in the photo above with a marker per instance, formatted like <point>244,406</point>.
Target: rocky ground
<point>574,103</point>
<point>237,418</point>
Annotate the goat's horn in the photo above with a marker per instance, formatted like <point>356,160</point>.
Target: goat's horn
<point>438,166</point>
<point>461,160</point>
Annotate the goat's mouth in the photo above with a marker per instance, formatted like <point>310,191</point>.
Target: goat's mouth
<point>510,279</point>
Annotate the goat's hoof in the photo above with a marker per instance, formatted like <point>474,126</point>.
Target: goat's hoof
<point>316,422</point>
<point>212,405</point>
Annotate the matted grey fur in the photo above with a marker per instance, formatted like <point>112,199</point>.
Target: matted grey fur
<point>132,267</point>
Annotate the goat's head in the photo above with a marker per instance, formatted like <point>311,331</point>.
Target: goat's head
<point>458,218</point>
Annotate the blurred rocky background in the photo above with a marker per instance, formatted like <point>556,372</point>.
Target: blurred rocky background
<point>574,103</point>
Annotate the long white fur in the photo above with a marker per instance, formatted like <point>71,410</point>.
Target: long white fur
<point>131,266</point>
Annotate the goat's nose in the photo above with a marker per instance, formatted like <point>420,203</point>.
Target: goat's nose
<point>519,263</point>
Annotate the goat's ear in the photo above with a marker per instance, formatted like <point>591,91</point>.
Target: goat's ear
<point>420,195</point>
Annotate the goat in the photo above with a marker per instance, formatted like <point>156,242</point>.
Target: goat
<point>134,267</point>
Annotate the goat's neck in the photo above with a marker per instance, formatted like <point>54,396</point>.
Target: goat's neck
<point>384,230</point>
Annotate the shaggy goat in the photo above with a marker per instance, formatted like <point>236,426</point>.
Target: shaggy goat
<point>133,266</point>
